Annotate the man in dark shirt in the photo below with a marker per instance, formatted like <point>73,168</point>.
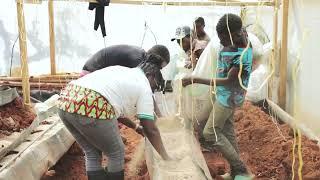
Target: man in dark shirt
<point>124,55</point>
<point>128,56</point>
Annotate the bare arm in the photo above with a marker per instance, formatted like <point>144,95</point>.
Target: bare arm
<point>127,122</point>
<point>153,135</point>
<point>232,76</point>
<point>156,108</point>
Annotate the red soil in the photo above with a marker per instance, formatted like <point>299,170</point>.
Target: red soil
<point>72,165</point>
<point>265,152</point>
<point>14,117</point>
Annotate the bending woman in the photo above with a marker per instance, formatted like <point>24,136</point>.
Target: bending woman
<point>91,106</point>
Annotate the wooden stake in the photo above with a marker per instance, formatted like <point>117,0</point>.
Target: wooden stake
<point>23,53</point>
<point>52,38</point>
<point>274,49</point>
<point>284,56</point>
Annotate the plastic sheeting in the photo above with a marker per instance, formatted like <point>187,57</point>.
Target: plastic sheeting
<point>303,48</point>
<point>7,95</point>
<point>258,86</point>
<point>195,100</point>
<point>37,153</point>
<point>41,155</point>
<point>142,25</point>
<point>180,143</point>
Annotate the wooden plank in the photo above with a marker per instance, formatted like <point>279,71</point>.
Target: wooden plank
<point>284,55</point>
<point>43,81</point>
<point>25,133</point>
<point>35,85</point>
<point>23,53</point>
<point>52,38</point>
<point>42,78</point>
<point>183,2</point>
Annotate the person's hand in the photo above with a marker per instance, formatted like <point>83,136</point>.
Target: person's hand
<point>186,81</point>
<point>188,65</point>
<point>169,158</point>
<point>140,131</point>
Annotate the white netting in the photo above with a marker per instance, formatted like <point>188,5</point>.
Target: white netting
<point>195,102</point>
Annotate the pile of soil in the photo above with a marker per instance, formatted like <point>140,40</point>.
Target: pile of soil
<point>14,117</point>
<point>72,165</point>
<point>267,153</point>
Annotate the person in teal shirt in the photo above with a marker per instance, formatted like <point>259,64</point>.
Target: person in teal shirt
<point>230,94</point>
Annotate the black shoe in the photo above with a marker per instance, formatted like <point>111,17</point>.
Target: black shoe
<point>116,175</point>
<point>206,146</point>
<point>239,170</point>
<point>97,175</point>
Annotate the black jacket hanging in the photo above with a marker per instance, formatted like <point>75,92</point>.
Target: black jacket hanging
<point>99,16</point>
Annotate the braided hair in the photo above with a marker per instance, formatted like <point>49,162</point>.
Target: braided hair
<point>161,52</point>
<point>151,66</point>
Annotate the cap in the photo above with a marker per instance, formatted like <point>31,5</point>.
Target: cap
<point>181,32</point>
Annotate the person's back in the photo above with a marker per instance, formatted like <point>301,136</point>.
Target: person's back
<point>91,107</point>
<point>122,88</point>
<point>122,55</point>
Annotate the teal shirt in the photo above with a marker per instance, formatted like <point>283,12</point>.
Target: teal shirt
<point>233,95</point>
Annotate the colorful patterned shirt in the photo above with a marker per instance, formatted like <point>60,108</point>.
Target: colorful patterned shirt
<point>86,102</point>
<point>233,95</point>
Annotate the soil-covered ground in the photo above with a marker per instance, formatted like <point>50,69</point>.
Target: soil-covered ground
<point>266,147</point>
<point>15,117</point>
<point>71,166</point>
<point>267,154</point>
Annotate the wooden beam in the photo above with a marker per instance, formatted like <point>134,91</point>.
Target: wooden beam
<point>284,56</point>
<point>274,48</point>
<point>23,53</point>
<point>42,77</point>
<point>181,2</point>
<point>41,85</point>
<point>294,123</point>
<point>52,38</point>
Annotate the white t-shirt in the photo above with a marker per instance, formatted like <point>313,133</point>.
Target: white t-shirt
<point>127,89</point>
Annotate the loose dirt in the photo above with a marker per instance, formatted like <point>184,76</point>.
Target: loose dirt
<point>266,153</point>
<point>15,117</point>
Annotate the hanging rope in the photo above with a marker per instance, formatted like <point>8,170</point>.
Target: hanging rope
<point>12,54</point>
